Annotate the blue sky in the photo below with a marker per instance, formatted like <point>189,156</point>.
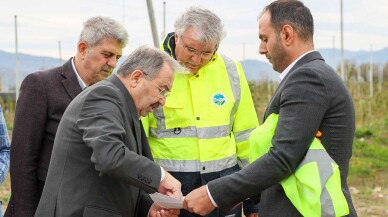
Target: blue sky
<point>41,23</point>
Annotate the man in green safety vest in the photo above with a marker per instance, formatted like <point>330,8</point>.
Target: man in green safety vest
<point>311,97</point>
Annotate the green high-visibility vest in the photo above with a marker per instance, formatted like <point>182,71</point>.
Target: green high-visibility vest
<point>315,186</point>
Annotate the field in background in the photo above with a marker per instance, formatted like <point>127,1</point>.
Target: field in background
<point>368,173</point>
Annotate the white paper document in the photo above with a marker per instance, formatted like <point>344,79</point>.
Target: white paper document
<point>166,201</point>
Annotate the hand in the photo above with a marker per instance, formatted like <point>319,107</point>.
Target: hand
<point>170,186</point>
<point>198,201</point>
<point>158,211</point>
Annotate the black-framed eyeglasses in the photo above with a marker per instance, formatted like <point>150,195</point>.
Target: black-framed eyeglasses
<point>192,51</point>
<point>162,92</point>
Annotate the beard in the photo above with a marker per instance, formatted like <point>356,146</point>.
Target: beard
<point>279,57</point>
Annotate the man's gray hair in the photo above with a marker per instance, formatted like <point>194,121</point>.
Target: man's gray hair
<point>207,25</point>
<point>150,61</point>
<point>99,28</point>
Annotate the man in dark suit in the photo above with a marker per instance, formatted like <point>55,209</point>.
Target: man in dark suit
<point>101,162</point>
<point>310,97</point>
<point>44,97</point>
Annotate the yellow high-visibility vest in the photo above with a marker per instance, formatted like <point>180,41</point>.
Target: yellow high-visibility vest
<point>315,187</point>
<point>205,124</point>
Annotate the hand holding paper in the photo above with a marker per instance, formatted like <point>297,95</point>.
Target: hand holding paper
<point>170,186</point>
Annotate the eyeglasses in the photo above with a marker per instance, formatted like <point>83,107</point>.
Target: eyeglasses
<point>162,92</point>
<point>192,51</point>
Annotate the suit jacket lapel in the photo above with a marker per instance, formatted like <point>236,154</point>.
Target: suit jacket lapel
<point>69,80</point>
<point>132,109</point>
<point>136,123</point>
<point>307,58</point>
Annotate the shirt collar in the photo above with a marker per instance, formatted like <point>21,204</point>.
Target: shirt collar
<point>80,81</point>
<point>289,67</point>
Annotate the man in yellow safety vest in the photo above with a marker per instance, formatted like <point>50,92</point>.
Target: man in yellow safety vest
<point>201,133</point>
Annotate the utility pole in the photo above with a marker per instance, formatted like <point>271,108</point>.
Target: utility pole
<point>60,52</point>
<point>153,23</point>
<point>17,60</point>
<point>342,45</point>
<point>164,20</point>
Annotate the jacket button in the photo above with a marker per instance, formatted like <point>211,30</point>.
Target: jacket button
<point>203,168</point>
<point>198,118</point>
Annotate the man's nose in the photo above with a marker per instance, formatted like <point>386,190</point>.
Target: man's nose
<point>112,61</point>
<point>162,101</point>
<point>196,58</point>
<point>263,48</point>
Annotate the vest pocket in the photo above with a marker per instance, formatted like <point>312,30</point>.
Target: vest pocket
<point>176,112</point>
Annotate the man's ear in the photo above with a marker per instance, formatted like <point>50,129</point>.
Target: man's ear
<point>175,37</point>
<point>287,34</point>
<point>82,48</point>
<point>135,78</point>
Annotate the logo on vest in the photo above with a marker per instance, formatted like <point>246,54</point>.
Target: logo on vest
<point>219,99</point>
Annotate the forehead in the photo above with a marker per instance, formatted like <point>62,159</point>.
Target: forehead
<point>265,26</point>
<point>109,44</point>
<point>265,20</point>
<point>165,76</point>
<point>190,37</point>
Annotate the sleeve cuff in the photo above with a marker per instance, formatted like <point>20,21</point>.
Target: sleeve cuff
<point>163,174</point>
<point>210,196</point>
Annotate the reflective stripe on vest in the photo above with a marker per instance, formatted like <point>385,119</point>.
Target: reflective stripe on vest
<point>303,188</point>
<point>242,135</point>
<point>195,166</point>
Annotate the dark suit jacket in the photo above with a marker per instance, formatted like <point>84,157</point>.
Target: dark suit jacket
<point>43,99</point>
<point>101,163</point>
<point>311,97</point>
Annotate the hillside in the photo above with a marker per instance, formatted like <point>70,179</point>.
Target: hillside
<point>254,70</point>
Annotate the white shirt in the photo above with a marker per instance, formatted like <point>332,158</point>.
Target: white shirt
<point>289,67</point>
<point>80,81</point>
